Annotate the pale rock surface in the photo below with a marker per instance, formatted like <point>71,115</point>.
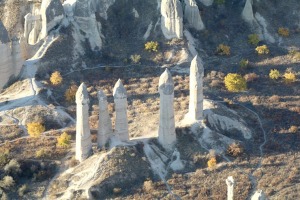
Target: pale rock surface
<point>32,28</point>
<point>259,195</point>
<point>102,6</point>
<point>17,59</point>
<point>207,2</point>
<point>171,19</point>
<point>104,125</point>
<point>230,184</point>
<point>192,15</point>
<point>177,164</point>
<point>84,15</point>
<point>10,56</point>
<point>83,133</point>
<point>52,13</point>
<point>121,123</point>
<point>196,89</point>
<point>166,131</point>
<point>247,13</point>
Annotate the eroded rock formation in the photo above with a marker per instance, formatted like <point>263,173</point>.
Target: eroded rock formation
<point>83,133</point>
<point>121,123</point>
<point>196,89</point>
<point>166,131</point>
<point>104,125</point>
<point>230,184</point>
<point>207,2</point>
<point>171,19</point>
<point>192,15</point>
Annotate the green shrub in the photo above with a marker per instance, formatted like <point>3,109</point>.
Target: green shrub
<point>244,63</point>
<point>136,58</point>
<point>223,49</point>
<point>289,77</point>
<point>13,167</point>
<point>284,32</point>
<point>35,129</point>
<point>274,74</point>
<point>235,82</point>
<point>7,182</point>
<point>151,46</point>
<point>253,39</point>
<point>262,50</point>
<point>64,140</point>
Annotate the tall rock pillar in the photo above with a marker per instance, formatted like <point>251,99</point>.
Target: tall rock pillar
<point>196,89</point>
<point>171,19</point>
<point>192,15</point>
<point>120,99</point>
<point>166,131</point>
<point>247,13</point>
<point>83,133</point>
<point>104,125</point>
<point>230,185</point>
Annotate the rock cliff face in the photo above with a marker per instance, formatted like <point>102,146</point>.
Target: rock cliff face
<point>10,57</point>
<point>171,20</point>
<point>192,15</point>
<point>52,13</point>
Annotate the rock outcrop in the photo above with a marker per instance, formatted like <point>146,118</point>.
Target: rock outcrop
<point>230,185</point>
<point>104,125</point>
<point>121,123</point>
<point>166,131</point>
<point>192,15</point>
<point>196,89</point>
<point>83,133</point>
<point>84,15</point>
<point>52,12</point>
<point>247,13</point>
<point>207,2</point>
<point>10,58</point>
<point>259,195</point>
<point>171,19</point>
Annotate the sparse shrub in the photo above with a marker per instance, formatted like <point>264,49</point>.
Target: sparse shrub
<point>244,63</point>
<point>4,158</point>
<point>274,74</point>
<point>262,50</point>
<point>223,49</point>
<point>295,55</point>
<point>41,153</point>
<point>251,77</point>
<point>35,129</point>
<point>151,46</point>
<point>71,93</point>
<point>253,39</point>
<point>274,99</point>
<point>211,163</point>
<point>285,32</point>
<point>7,182</point>
<point>289,77</point>
<point>235,149</point>
<point>55,78</point>
<point>235,82</point>
<point>293,129</point>
<point>148,186</point>
<point>136,58</point>
<point>64,140</point>
<point>13,167</point>
<point>22,190</point>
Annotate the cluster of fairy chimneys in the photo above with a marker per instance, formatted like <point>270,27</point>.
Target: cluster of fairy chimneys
<point>166,132</point>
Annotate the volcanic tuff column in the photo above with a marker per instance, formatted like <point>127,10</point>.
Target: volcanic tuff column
<point>83,134</point>
<point>230,185</point>
<point>247,13</point>
<point>192,15</point>
<point>104,125</point>
<point>171,20</point>
<point>166,131</point>
<point>196,89</point>
<point>120,99</point>
<point>259,195</point>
